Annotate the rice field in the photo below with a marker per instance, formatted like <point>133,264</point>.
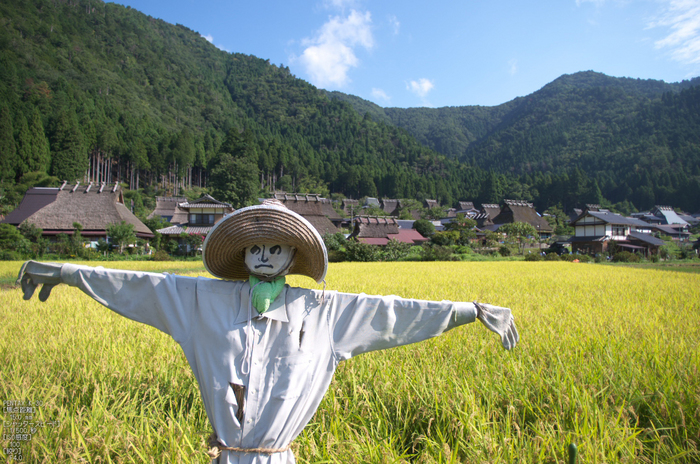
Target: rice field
<point>608,360</point>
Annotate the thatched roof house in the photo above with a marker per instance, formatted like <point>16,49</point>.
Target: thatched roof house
<point>311,207</point>
<point>350,206</point>
<point>522,211</point>
<point>430,204</point>
<point>94,206</point>
<point>380,230</point>
<point>167,208</point>
<point>491,209</point>
<point>406,203</point>
<point>390,206</point>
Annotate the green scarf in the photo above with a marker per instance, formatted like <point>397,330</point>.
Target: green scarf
<point>265,293</point>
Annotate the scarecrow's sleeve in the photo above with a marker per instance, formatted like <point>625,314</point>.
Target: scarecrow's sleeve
<point>164,301</point>
<point>362,323</point>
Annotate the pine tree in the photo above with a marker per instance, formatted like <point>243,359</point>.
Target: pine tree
<point>70,160</point>
<point>40,157</point>
<point>24,147</point>
<point>8,149</point>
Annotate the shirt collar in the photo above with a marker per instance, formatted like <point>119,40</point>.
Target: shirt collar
<point>277,311</point>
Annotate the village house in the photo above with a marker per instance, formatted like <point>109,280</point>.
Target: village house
<point>595,230</point>
<point>190,217</point>
<point>94,206</point>
<point>313,208</point>
<point>350,207</point>
<point>167,207</point>
<point>523,211</point>
<point>380,230</point>
<point>390,207</point>
<point>491,210</point>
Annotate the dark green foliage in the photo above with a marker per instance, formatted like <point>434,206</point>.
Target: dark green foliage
<point>395,250</point>
<point>69,160</point>
<point>437,253</point>
<point>625,257</point>
<point>334,242</point>
<point>9,237</point>
<point>533,257</point>
<point>8,150</point>
<point>358,251</point>
<point>424,227</point>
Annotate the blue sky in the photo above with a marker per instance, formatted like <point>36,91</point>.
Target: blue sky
<point>412,53</point>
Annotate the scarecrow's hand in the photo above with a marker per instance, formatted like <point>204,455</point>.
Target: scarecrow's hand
<point>34,274</point>
<point>499,320</point>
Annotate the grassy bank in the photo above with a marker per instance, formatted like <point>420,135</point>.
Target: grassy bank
<point>608,360</point>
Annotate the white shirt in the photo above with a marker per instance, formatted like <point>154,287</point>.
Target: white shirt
<point>297,343</point>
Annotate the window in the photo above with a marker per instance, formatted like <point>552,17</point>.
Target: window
<point>201,219</point>
<point>619,230</point>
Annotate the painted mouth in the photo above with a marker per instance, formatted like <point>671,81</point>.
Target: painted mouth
<point>264,265</point>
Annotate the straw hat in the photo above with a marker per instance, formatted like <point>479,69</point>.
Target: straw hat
<point>224,248</point>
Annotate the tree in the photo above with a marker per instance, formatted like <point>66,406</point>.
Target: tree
<point>121,235</point>
<point>519,230</point>
<point>24,147</point>
<point>8,149</point>
<point>70,160</point>
<point>464,226</point>
<point>9,237</point>
<point>40,156</point>
<point>424,227</point>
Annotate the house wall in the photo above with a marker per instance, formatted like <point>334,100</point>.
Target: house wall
<point>218,214</point>
<point>593,227</point>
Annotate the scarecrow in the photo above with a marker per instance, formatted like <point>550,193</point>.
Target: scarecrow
<point>263,353</point>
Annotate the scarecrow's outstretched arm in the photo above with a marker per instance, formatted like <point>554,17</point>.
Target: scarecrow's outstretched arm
<point>362,323</point>
<point>163,301</point>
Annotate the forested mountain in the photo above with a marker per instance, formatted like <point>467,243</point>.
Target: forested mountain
<point>621,139</point>
<point>122,95</point>
<point>97,91</point>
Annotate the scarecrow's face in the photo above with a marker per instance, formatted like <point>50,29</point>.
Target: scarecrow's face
<point>268,259</point>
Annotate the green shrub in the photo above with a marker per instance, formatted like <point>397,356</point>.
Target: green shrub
<point>336,256</point>
<point>552,257</point>
<point>358,251</point>
<point>533,257</point>
<point>504,251</point>
<point>437,253</point>
<point>625,257</point>
<point>161,255</point>
<point>9,255</point>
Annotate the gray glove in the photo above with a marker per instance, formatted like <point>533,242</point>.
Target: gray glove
<point>34,273</point>
<point>499,320</point>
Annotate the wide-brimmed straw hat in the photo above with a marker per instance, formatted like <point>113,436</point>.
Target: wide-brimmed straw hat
<point>224,248</point>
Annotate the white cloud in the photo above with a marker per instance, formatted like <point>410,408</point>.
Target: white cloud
<point>421,87</point>
<point>380,94</point>
<point>340,4</point>
<point>329,56</point>
<point>395,24</point>
<point>682,19</point>
<point>513,67</point>
<point>209,38</point>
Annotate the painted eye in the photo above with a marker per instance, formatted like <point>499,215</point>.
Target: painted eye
<point>255,250</point>
<point>275,250</point>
